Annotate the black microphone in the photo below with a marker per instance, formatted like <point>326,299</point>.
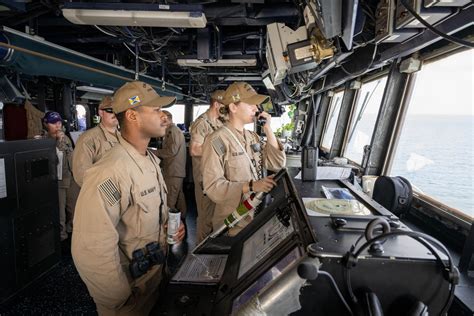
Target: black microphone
<point>260,120</point>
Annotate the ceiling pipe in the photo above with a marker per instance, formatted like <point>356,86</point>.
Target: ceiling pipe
<point>35,56</point>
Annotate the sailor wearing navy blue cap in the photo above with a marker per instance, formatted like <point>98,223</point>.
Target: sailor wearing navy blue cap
<point>52,122</point>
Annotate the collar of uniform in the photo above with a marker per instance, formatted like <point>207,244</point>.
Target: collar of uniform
<point>169,128</point>
<point>233,128</point>
<point>45,134</point>
<point>110,137</point>
<point>206,117</point>
<point>143,162</point>
<point>214,124</point>
<point>241,135</point>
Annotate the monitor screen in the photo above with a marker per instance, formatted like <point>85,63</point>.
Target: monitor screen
<point>262,242</point>
<point>270,275</point>
<point>39,168</point>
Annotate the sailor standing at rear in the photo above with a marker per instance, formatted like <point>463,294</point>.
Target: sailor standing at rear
<point>173,156</point>
<point>204,125</point>
<point>94,143</point>
<point>52,122</point>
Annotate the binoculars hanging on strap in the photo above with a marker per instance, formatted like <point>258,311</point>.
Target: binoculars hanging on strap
<point>144,259</point>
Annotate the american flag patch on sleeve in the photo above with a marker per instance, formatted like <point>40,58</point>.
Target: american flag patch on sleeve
<point>219,146</point>
<point>110,191</point>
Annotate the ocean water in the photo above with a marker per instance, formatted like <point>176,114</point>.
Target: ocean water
<point>436,154</point>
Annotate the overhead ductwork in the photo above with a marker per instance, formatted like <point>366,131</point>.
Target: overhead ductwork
<point>34,56</point>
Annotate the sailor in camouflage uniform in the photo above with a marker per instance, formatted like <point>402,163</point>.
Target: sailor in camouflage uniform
<point>52,122</point>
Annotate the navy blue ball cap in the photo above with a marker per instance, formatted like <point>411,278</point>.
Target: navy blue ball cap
<point>52,117</point>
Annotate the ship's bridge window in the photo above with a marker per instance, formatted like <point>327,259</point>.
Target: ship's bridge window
<point>282,125</point>
<point>279,123</point>
<point>333,114</point>
<point>435,150</point>
<point>363,119</point>
<point>199,109</point>
<point>81,117</point>
<point>177,110</point>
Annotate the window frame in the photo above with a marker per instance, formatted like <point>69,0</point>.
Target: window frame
<point>366,80</point>
<point>195,107</point>
<point>425,205</point>
<point>326,120</point>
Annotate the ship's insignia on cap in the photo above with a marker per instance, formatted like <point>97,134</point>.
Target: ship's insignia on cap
<point>134,100</point>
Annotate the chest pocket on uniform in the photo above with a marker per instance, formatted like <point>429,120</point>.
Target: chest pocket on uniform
<point>238,169</point>
<point>148,213</point>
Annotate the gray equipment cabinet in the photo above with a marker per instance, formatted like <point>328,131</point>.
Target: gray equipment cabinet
<point>29,217</point>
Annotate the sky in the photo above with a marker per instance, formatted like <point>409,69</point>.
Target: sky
<point>445,87</point>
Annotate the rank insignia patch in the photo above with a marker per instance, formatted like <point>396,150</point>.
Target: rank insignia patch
<point>236,97</point>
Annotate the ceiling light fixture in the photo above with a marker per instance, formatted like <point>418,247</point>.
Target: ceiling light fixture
<point>242,78</point>
<point>241,62</point>
<point>95,90</point>
<point>131,14</point>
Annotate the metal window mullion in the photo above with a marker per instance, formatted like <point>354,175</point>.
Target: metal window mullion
<point>321,119</point>
<point>386,119</point>
<point>399,123</point>
<point>342,120</point>
<point>349,122</point>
